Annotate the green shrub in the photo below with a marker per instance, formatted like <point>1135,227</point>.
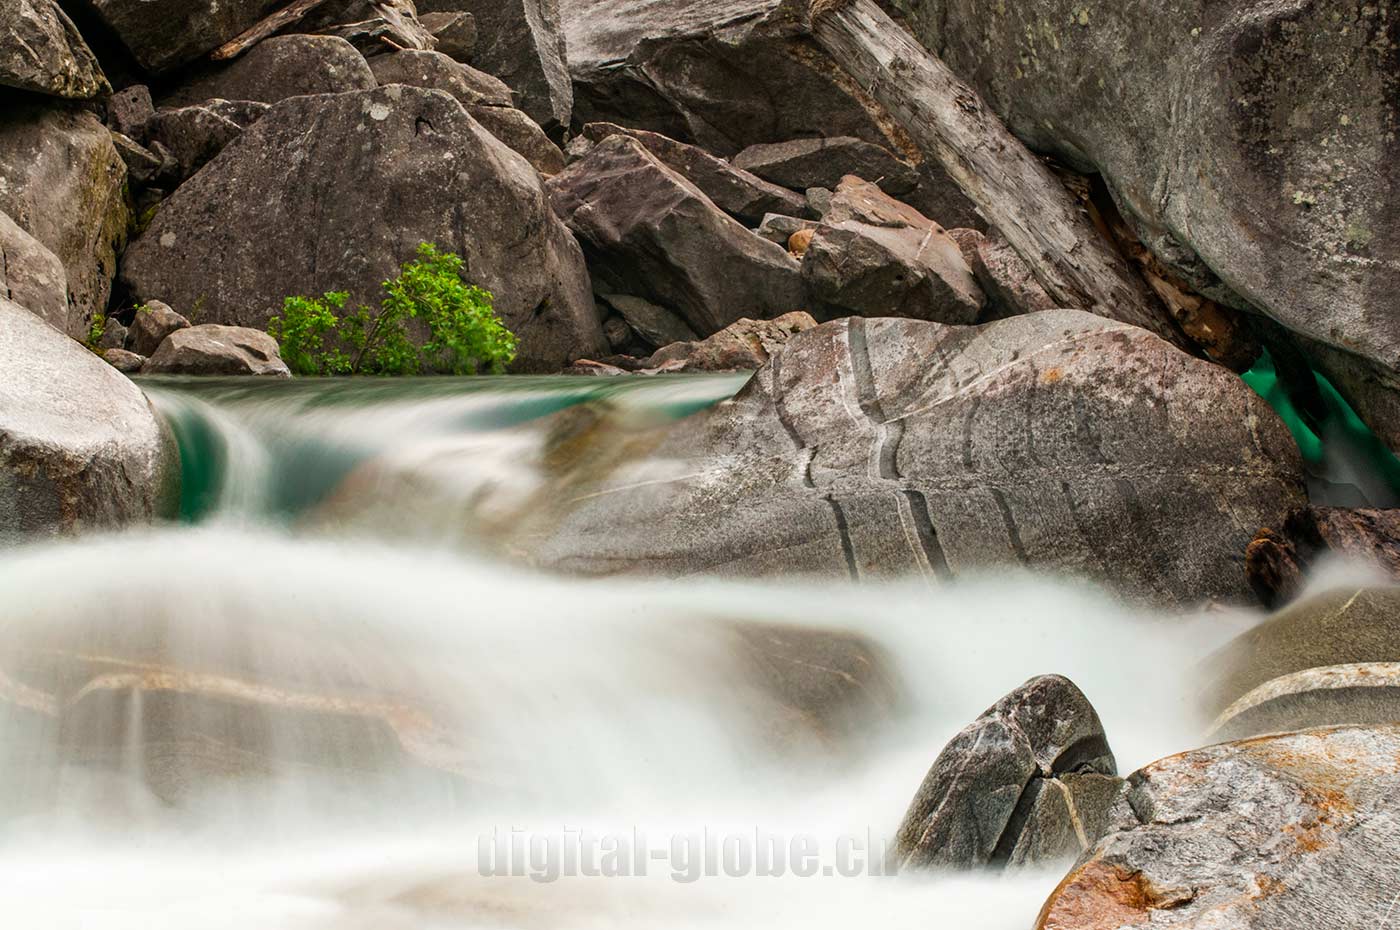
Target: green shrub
<point>465,336</point>
<point>96,331</point>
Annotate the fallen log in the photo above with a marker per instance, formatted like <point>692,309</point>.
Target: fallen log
<point>1012,188</point>
<point>266,28</point>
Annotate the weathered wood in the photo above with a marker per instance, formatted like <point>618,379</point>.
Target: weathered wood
<point>1013,188</point>
<point>268,27</point>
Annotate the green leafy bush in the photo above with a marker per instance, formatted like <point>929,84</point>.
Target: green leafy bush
<point>465,336</point>
<point>96,331</point>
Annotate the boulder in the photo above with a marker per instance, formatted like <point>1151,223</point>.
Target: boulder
<point>277,68</point>
<point>1059,442</point>
<point>854,269</point>
<point>42,51</point>
<point>195,135</point>
<point>522,43</point>
<point>649,232</point>
<point>113,336</point>
<point>88,455</point>
<point>855,200</point>
<point>747,345</point>
<point>33,277</point>
<point>128,363</point>
<point>1029,782</point>
<point>822,162</point>
<point>744,196</point>
<point>423,171</point>
<point>212,349</point>
<point>523,135</point>
<point>780,229</point>
<point>437,71</point>
<point>152,323</point>
<point>164,34</point>
<point>129,112</point>
<point>456,33</point>
<point>655,325</point>
<point>1010,285</point>
<point>142,165</point>
<point>1290,832</point>
<point>1278,561</point>
<point>63,183</point>
<point>1291,109</point>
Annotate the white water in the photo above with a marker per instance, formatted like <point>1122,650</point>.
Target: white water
<point>608,705</point>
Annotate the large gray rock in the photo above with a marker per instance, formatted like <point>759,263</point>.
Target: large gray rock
<point>1291,832</point>
<point>648,231</point>
<point>277,68</point>
<point>822,162</point>
<point>1287,110</point>
<point>523,135</point>
<point>1029,782</point>
<point>164,34</point>
<point>33,277</point>
<point>744,196</point>
<point>264,220</point>
<point>439,72</point>
<point>63,182</point>
<point>211,349</point>
<point>1060,442</point>
<point>80,447</point>
<point>522,43</point>
<point>41,50</point>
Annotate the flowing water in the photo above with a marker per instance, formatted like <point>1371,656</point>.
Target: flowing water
<point>275,716</point>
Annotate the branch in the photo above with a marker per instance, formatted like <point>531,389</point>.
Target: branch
<point>273,24</point>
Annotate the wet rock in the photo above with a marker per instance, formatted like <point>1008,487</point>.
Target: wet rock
<point>1007,280</point>
<point>42,51</point>
<point>277,68</point>
<point>439,72</point>
<point>649,232</point>
<point>805,163</point>
<point>64,185</point>
<point>744,196</point>
<point>164,34</point>
<point>128,363</point>
<point>153,322</point>
<point>1029,782</point>
<point>423,170</point>
<point>211,349</point>
<point>1278,561</point>
<point>523,135</point>
<point>746,345</point>
<point>456,34</point>
<point>854,269</point>
<point>33,277</point>
<point>129,111</point>
<point>88,457</point>
<point>656,326</point>
<point>1058,442</point>
<point>1300,217</point>
<point>1278,833</point>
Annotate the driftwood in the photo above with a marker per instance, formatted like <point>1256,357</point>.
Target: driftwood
<point>1013,188</point>
<point>268,27</point>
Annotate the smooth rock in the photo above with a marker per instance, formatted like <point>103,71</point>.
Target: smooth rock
<point>277,68</point>
<point>33,277</point>
<point>62,181</point>
<point>800,164</point>
<point>128,363</point>
<point>152,323</point>
<point>211,349</point>
<point>649,232</point>
<point>747,345</point>
<point>1290,832</point>
<point>1029,782</point>
<point>80,448</point>
<point>1363,693</point>
<point>423,171</point>
<point>164,34</point>
<point>42,51</point>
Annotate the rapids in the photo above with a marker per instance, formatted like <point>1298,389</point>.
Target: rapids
<point>609,706</point>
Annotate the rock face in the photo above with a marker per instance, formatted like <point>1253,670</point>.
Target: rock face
<point>41,50</point>
<point>1030,781</point>
<point>281,67</point>
<point>423,170</point>
<point>805,163</point>
<point>63,184</point>
<point>33,277</point>
<point>88,456</point>
<point>522,43</point>
<point>164,34</point>
<point>649,232</point>
<point>1291,109</point>
<point>1288,832</point>
<point>1278,560</point>
<point>217,350</point>
<point>1060,442</point>
<point>744,196</point>
<point>747,345</point>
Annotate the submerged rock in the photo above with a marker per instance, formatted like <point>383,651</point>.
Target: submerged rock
<point>80,448</point>
<point>1029,782</point>
<point>211,349</point>
<point>42,51</point>
<point>1290,832</point>
<point>423,171</point>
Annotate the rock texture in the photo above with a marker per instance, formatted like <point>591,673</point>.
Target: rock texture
<point>649,232</point>
<point>33,277</point>
<point>1361,693</point>
<point>439,72</point>
<point>164,34</point>
<point>83,454</point>
<point>522,43</point>
<point>747,345</point>
<point>277,68</point>
<point>211,349</point>
<point>1277,561</point>
<point>1290,110</point>
<point>195,135</point>
<point>62,181</point>
<point>1006,279</point>
<point>1291,832</point>
<point>42,51</point>
<point>423,170</point>
<point>150,326</point>
<point>1029,782</point>
<point>1059,442</point>
<point>805,163</point>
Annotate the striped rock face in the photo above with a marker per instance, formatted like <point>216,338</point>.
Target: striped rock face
<point>1275,833</point>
